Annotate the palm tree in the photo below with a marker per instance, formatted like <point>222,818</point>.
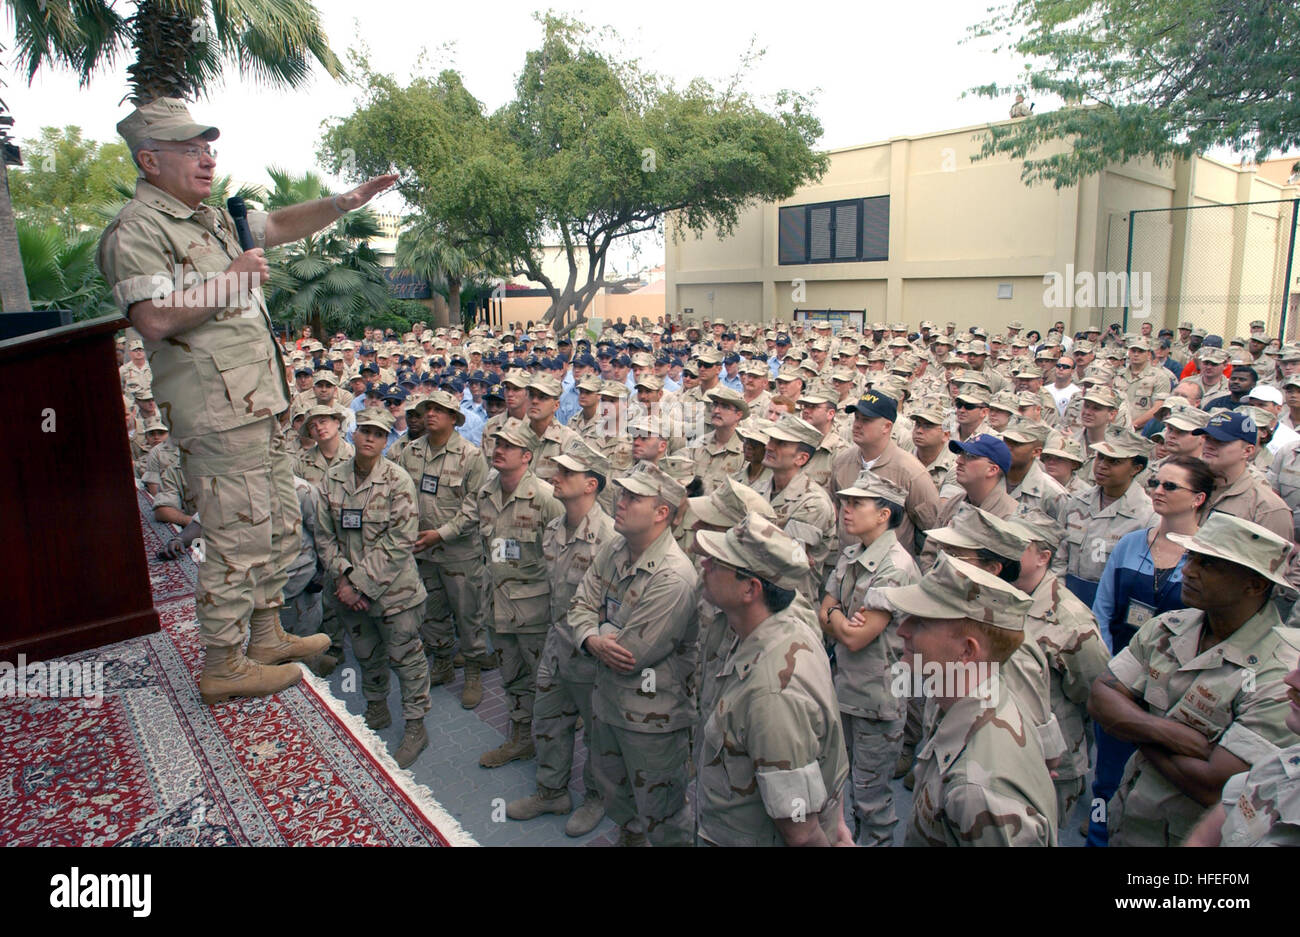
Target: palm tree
<point>60,271</point>
<point>427,249</point>
<point>332,279</point>
<point>180,48</point>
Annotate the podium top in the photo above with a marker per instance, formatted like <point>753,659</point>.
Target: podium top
<point>64,334</point>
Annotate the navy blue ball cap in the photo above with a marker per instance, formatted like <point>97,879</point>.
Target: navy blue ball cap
<point>1227,425</point>
<point>872,404</point>
<point>985,446</point>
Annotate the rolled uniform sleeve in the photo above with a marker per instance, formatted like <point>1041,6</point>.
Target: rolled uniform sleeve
<point>981,817</point>
<point>1129,666</point>
<point>1258,729</point>
<point>782,729</point>
<point>133,259</point>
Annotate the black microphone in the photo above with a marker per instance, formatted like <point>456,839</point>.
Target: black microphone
<point>239,212</point>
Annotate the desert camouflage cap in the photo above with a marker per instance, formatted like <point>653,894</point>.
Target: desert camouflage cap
<point>1102,396</point>
<point>870,485</point>
<point>729,503</point>
<point>592,384</point>
<point>372,416</point>
<point>1212,355</point>
<point>1021,430</point>
<point>732,398</point>
<point>613,389</point>
<point>580,457</point>
<point>517,377</point>
<point>446,401</point>
<point>155,424</point>
<point>649,480</point>
<point>755,428</point>
<point>325,377</point>
<point>651,382</point>
<point>932,409</point>
<point>516,433</point>
<point>972,394</point>
<point>1183,415</point>
<point>163,119</point>
<point>1122,443</point>
<point>1242,542</point>
<point>678,466</point>
<point>756,544</point>
<point>954,589</point>
<point>1139,342</point>
<point>1005,401</point>
<point>795,429</point>
<point>322,410</point>
<point>709,356</point>
<point>976,529</point>
<point>1065,447</point>
<point>545,384</point>
<point>1038,526</point>
<point>844,374</point>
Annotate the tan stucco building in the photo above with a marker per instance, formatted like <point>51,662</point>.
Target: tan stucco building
<point>911,228</point>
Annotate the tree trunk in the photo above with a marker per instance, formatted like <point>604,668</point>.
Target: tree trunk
<point>441,318</point>
<point>453,301</point>
<point>13,281</point>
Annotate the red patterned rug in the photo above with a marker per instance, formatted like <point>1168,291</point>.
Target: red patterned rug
<point>149,764</point>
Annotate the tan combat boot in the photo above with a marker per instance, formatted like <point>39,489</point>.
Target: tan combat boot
<point>414,741</point>
<point>472,693</point>
<point>546,800</point>
<point>442,671</point>
<point>518,748</point>
<point>271,644</point>
<point>228,674</point>
<point>587,817</point>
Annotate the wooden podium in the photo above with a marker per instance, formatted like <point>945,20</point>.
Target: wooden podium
<point>75,573</point>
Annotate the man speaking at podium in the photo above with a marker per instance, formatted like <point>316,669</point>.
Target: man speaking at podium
<point>178,272</point>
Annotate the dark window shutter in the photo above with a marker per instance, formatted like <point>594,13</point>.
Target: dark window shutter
<point>846,231</point>
<point>875,228</point>
<point>819,241</point>
<point>792,235</point>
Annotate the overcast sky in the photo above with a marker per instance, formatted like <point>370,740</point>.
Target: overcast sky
<point>874,70</point>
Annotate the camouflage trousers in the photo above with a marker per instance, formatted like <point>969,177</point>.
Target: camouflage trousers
<point>329,623</point>
<point>455,594</point>
<point>643,778</point>
<point>564,686</point>
<point>242,481</point>
<point>519,656</point>
<point>873,747</point>
<point>392,641</point>
<point>912,727</point>
<point>301,614</point>
<point>1068,792</point>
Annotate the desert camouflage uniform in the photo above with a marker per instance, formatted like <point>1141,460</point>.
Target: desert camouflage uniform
<point>303,606</point>
<point>714,461</point>
<point>1091,532</point>
<point>220,388</point>
<point>550,444</point>
<point>365,531</point>
<point>1067,634</point>
<point>642,719</point>
<point>1262,806</point>
<point>873,716</point>
<point>518,582</point>
<point>566,675</point>
<point>158,461</point>
<point>311,464</point>
<point>771,745</point>
<point>804,511</point>
<point>1210,692</point>
<point>1038,491</point>
<point>819,466</point>
<point>447,482</point>
<point>1284,478</point>
<point>981,779</point>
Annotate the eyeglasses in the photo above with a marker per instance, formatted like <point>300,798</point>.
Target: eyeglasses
<point>1154,483</point>
<point>965,405</point>
<point>1065,365</point>
<point>192,153</point>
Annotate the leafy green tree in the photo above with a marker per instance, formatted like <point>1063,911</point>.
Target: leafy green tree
<point>332,279</point>
<point>1158,80</point>
<point>60,270</point>
<point>428,249</point>
<point>592,149</point>
<point>181,49</point>
<point>66,177</point>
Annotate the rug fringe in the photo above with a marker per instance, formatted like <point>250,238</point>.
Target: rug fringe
<point>419,794</point>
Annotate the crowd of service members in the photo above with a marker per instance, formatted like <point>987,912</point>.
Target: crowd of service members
<point>795,566</point>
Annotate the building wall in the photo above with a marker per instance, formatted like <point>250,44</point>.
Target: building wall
<point>959,229</point>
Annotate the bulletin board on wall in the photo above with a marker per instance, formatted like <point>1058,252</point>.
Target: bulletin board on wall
<point>838,318</point>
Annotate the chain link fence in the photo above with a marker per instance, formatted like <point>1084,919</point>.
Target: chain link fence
<point>1219,267</point>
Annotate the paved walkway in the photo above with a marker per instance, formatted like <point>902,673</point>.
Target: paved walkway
<point>476,796</point>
